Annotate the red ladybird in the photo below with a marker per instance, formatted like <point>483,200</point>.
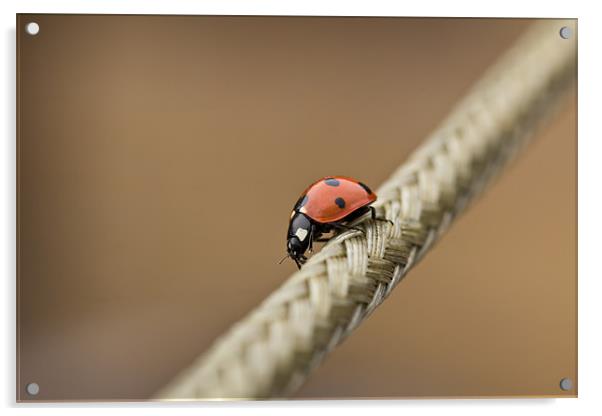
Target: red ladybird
<point>327,204</point>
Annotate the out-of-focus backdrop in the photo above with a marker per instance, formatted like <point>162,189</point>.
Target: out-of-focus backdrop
<point>159,159</point>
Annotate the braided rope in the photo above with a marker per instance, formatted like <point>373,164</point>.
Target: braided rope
<point>271,351</point>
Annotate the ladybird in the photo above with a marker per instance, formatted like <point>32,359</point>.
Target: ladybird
<point>326,205</point>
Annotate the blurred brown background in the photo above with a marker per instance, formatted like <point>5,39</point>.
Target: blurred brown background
<point>159,158</point>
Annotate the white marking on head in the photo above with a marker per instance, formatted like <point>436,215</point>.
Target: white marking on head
<point>292,214</point>
<point>301,233</point>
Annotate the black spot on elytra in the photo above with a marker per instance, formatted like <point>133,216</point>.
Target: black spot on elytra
<point>340,202</point>
<point>332,182</point>
<point>363,185</point>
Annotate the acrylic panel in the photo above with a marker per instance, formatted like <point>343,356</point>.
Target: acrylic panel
<point>159,158</point>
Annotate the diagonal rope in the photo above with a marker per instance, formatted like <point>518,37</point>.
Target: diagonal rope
<point>271,351</point>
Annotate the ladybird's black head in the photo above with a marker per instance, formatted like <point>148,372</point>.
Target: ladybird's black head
<point>298,238</point>
<point>296,249</point>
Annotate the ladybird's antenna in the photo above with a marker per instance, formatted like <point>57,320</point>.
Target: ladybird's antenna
<point>284,258</point>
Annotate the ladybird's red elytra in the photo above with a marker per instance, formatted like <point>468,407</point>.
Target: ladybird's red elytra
<point>326,204</point>
<point>333,198</point>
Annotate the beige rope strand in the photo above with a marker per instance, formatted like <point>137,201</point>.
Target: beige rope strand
<point>271,351</point>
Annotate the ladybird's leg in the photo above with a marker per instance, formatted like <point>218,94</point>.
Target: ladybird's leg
<point>374,218</point>
<point>343,227</point>
<point>314,236</point>
<point>319,231</point>
<point>298,263</point>
<point>319,239</point>
<point>311,238</point>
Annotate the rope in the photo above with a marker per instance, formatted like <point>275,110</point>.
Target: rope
<point>271,351</point>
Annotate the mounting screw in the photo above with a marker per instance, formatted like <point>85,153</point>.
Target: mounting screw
<point>32,389</point>
<point>32,28</point>
<point>566,384</point>
<point>565,32</point>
